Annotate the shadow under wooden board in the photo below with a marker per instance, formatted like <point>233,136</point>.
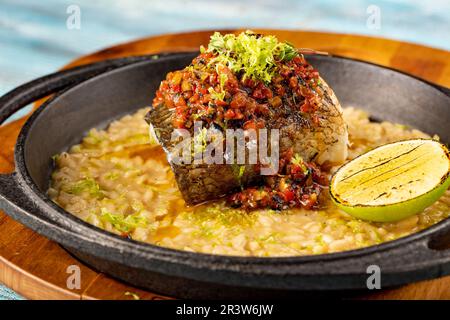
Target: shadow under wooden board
<point>36,267</point>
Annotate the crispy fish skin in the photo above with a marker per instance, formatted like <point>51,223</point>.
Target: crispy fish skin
<point>320,139</point>
<point>202,182</point>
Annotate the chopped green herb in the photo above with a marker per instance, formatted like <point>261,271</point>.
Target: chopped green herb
<point>241,171</point>
<point>223,78</point>
<point>55,159</point>
<point>123,223</point>
<point>76,149</point>
<point>250,53</point>
<point>403,126</point>
<point>205,231</point>
<point>216,95</point>
<point>220,94</point>
<point>238,171</point>
<point>86,185</point>
<point>112,175</point>
<point>219,215</point>
<point>355,226</point>
<point>93,137</point>
<point>298,161</point>
<point>319,240</point>
<point>137,206</point>
<point>200,141</point>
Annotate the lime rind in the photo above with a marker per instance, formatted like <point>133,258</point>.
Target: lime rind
<point>393,211</point>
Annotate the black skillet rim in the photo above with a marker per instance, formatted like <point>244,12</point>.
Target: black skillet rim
<point>180,256</point>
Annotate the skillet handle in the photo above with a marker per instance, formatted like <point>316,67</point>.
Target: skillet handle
<point>23,208</point>
<point>12,198</point>
<point>52,83</point>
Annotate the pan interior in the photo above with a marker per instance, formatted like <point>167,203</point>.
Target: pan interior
<point>108,199</point>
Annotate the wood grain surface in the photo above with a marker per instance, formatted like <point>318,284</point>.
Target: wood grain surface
<point>36,267</point>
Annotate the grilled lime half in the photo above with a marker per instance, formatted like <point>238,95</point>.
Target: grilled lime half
<point>393,181</point>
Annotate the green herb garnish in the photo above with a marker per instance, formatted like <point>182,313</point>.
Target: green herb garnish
<point>93,137</point>
<point>218,215</point>
<point>86,185</point>
<point>238,171</point>
<point>200,141</point>
<point>241,171</point>
<point>216,95</point>
<point>112,175</point>
<point>123,223</point>
<point>251,53</point>
<point>297,160</point>
<point>55,159</point>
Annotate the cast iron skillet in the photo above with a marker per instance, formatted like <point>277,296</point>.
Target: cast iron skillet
<point>93,95</point>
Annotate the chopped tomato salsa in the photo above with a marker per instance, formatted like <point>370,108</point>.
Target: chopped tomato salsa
<point>210,92</point>
<point>298,184</point>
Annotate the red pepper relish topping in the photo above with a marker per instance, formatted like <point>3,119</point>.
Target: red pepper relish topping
<point>238,82</point>
<point>297,184</point>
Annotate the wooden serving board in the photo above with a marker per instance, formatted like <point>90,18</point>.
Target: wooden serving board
<point>36,267</point>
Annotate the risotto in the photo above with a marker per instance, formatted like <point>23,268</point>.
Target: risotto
<point>119,180</point>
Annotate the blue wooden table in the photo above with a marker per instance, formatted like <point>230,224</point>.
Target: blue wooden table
<point>39,36</point>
